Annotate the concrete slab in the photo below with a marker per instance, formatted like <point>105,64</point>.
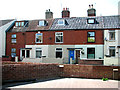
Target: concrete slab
<point>71,83</point>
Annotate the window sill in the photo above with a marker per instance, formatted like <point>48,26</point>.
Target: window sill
<point>40,25</point>
<point>112,40</point>
<point>90,42</point>
<point>58,42</point>
<point>38,42</point>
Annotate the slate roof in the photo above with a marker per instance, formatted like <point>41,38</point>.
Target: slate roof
<point>3,22</point>
<point>33,26</point>
<point>104,22</point>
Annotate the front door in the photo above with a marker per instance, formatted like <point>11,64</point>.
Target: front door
<point>71,55</point>
<point>23,53</point>
<point>77,56</point>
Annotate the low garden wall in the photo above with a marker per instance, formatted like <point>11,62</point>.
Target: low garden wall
<point>90,71</point>
<point>29,71</point>
<point>26,71</point>
<point>91,62</point>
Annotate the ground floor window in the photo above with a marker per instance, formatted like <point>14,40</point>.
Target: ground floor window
<point>58,52</point>
<point>38,52</point>
<point>25,53</point>
<point>112,51</point>
<point>13,52</point>
<point>90,53</point>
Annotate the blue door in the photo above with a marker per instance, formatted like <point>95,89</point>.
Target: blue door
<point>71,55</point>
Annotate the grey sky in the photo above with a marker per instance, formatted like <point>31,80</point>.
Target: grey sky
<point>35,9</point>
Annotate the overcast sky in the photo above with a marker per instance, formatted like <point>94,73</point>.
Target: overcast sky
<point>35,9</point>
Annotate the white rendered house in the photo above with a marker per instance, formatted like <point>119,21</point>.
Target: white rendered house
<point>4,26</point>
<point>112,47</point>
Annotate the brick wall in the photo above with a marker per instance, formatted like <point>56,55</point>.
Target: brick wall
<point>6,58</point>
<point>23,71</point>
<point>72,37</point>
<point>91,62</point>
<point>89,71</point>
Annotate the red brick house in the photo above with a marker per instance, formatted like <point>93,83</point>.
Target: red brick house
<point>60,40</point>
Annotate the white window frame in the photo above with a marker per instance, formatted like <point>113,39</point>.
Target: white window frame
<point>112,31</point>
<point>59,51</point>
<point>112,49</point>
<point>13,36</point>
<point>16,24</point>
<point>91,20</point>
<point>13,40</point>
<point>62,21</point>
<point>39,49</point>
<point>44,23</point>
<point>13,52</point>
<point>58,35</point>
<point>19,23</point>
<point>41,37</point>
<point>22,24</point>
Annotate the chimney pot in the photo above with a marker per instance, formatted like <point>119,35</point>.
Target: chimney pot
<point>91,11</point>
<point>65,13</point>
<point>89,6</point>
<point>92,5</point>
<point>48,14</point>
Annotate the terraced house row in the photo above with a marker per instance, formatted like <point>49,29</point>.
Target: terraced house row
<point>80,40</point>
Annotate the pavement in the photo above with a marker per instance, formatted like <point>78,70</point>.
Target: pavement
<point>71,83</point>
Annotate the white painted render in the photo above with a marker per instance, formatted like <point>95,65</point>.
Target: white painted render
<point>50,52</point>
<point>98,51</point>
<point>3,37</point>
<point>107,43</point>
<point>33,50</point>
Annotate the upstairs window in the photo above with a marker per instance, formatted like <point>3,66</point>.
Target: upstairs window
<point>19,24</point>
<point>112,51</point>
<point>39,37</point>
<point>58,52</point>
<point>16,24</point>
<point>13,38</point>
<point>59,37</point>
<point>91,21</point>
<point>91,37</point>
<point>13,52</point>
<point>112,35</point>
<point>42,23</point>
<point>61,22</point>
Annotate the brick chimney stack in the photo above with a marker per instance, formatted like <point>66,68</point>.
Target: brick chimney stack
<point>65,13</point>
<point>48,14</point>
<point>91,11</point>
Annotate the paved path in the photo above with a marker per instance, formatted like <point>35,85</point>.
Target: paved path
<point>72,83</point>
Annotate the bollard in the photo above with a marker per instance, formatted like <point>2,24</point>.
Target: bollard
<point>70,60</point>
<point>16,59</point>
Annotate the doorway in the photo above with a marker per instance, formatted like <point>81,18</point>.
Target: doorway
<point>24,53</point>
<point>71,55</point>
<point>77,56</point>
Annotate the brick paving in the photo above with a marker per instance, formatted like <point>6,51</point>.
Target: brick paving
<point>72,83</point>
